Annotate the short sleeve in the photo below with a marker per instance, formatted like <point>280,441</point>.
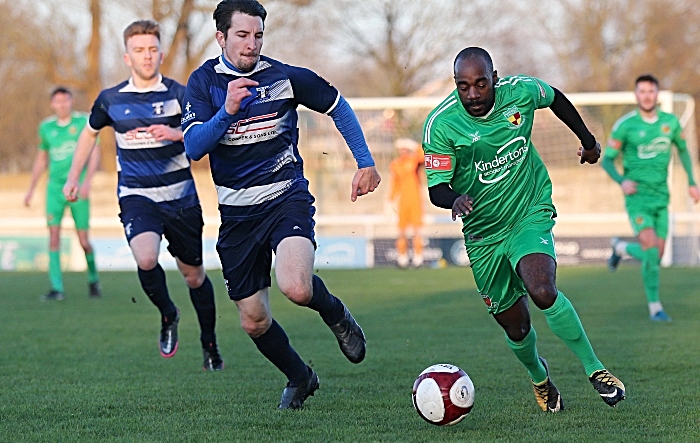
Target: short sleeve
<point>43,140</point>
<point>542,94</point>
<point>678,138</point>
<point>99,116</point>
<point>439,154</point>
<point>617,136</point>
<point>197,103</point>
<point>311,90</point>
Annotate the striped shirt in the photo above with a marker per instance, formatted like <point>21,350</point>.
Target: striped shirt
<point>156,170</point>
<point>256,161</point>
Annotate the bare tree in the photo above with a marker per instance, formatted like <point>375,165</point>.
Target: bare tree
<point>603,45</point>
<point>35,56</point>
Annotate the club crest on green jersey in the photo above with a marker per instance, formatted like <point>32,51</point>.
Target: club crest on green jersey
<point>514,117</point>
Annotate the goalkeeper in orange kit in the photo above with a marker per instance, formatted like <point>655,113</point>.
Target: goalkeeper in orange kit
<point>406,192</point>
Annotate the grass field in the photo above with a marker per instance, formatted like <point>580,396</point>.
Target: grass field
<point>89,370</point>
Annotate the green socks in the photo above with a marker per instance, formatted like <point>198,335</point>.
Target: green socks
<point>650,274</point>
<point>92,269</point>
<point>55,276</point>
<point>526,352</point>
<point>650,269</point>
<point>564,322</point>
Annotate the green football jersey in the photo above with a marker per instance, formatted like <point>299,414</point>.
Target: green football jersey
<point>491,158</point>
<point>646,151</point>
<point>60,142</point>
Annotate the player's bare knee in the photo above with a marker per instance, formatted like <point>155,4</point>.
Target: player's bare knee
<point>518,333</point>
<point>543,295</point>
<point>255,328</point>
<point>147,263</point>
<point>194,278</point>
<point>298,293</point>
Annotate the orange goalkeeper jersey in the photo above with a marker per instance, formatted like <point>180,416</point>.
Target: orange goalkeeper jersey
<point>406,187</point>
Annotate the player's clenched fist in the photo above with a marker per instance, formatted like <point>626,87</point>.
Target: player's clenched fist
<point>365,181</point>
<point>237,92</point>
<point>589,155</point>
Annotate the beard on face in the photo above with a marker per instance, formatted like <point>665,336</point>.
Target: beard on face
<point>244,65</point>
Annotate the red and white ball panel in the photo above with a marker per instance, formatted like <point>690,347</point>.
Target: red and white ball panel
<point>443,394</point>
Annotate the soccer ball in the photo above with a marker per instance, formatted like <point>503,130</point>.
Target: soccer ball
<point>443,394</point>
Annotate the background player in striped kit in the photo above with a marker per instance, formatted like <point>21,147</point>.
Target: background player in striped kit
<point>481,164</point>
<point>241,111</point>
<point>58,137</point>
<point>157,194</point>
<point>644,137</point>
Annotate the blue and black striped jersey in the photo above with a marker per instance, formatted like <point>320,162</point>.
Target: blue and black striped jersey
<point>156,170</point>
<point>256,160</point>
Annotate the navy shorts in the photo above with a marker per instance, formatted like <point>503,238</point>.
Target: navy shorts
<point>182,227</point>
<point>245,247</point>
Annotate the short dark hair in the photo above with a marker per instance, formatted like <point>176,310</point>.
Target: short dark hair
<point>61,90</point>
<point>473,52</point>
<point>646,78</point>
<point>226,8</point>
<point>142,27</point>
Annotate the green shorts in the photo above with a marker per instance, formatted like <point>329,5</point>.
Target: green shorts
<point>56,204</point>
<point>647,216</point>
<point>494,264</point>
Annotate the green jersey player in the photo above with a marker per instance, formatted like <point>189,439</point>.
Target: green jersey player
<point>58,137</point>
<point>482,165</point>
<point>644,137</point>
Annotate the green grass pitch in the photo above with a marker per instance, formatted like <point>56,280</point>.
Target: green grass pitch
<point>89,370</point>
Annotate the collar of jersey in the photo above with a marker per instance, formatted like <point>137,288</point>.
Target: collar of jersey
<point>224,67</point>
<point>73,116</point>
<point>648,120</point>
<point>157,87</point>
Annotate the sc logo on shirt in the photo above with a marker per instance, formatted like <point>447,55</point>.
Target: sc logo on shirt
<point>438,162</point>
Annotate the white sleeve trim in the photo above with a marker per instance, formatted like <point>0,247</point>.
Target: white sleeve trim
<point>188,128</point>
<point>335,103</point>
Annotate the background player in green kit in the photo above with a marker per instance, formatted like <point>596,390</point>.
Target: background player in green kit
<point>58,136</point>
<point>482,165</point>
<point>644,137</point>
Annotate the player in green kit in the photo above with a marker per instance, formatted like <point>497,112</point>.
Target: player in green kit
<point>482,165</point>
<point>58,137</point>
<point>644,137</point>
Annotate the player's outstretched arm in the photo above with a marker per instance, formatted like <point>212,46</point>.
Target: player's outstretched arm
<point>366,180</point>
<point>41,162</point>
<point>85,146</point>
<point>347,124</point>
<point>567,113</point>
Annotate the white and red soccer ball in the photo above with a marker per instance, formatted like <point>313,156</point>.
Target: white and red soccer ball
<point>443,394</point>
